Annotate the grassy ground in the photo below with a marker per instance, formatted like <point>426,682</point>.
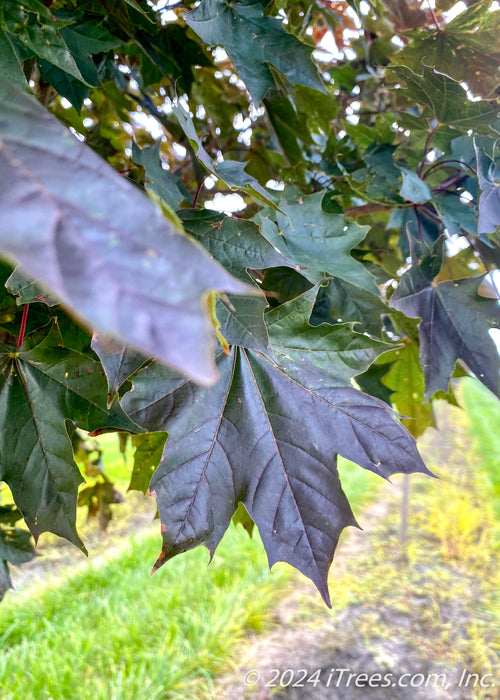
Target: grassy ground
<point>110,631</point>
<point>483,411</point>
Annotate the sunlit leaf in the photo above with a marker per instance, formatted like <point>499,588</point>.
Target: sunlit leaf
<point>445,100</point>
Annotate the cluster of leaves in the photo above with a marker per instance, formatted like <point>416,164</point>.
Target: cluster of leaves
<point>243,352</point>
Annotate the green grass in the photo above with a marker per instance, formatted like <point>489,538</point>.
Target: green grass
<point>358,484</point>
<point>113,631</point>
<point>110,631</point>
<point>483,412</point>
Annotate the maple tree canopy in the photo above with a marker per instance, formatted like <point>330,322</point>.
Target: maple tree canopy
<point>253,235</point>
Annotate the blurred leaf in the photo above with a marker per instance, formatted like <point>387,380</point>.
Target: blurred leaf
<point>465,48</point>
<point>15,546</point>
<point>99,216</point>
<point>489,199</point>
<point>147,456</point>
<point>167,186</point>
<point>231,172</point>
<point>242,518</point>
<point>34,25</point>
<point>9,515</point>
<point>406,380</point>
<point>464,264</point>
<point>83,40</point>
<point>98,499</point>
<point>413,188</point>
<point>371,381</point>
<point>9,60</point>
<point>457,216</point>
<point>27,290</point>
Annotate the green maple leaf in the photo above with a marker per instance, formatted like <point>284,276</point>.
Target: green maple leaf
<point>465,49</point>
<point>236,243</point>
<point>42,36</point>
<point>336,351</point>
<point>339,301</point>
<point>242,321</point>
<point>253,41</point>
<point>445,100</point>
<point>11,65</point>
<point>318,242</point>
<point>43,385</point>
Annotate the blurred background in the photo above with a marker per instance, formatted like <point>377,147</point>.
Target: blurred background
<point>416,591</point>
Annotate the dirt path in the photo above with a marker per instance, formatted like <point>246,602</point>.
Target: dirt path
<point>314,639</point>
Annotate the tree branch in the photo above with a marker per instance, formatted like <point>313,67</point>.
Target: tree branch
<point>367,209</point>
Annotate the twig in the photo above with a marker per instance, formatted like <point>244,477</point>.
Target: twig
<point>433,15</point>
<point>419,225</point>
<point>450,182</point>
<point>444,163</point>
<point>426,150</point>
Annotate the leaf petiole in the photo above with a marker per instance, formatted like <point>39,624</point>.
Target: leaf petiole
<point>22,330</point>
